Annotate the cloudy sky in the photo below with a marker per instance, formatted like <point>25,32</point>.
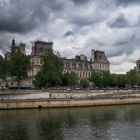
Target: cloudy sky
<point>75,26</point>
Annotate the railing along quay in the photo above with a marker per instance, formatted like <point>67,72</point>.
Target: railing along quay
<point>65,99</point>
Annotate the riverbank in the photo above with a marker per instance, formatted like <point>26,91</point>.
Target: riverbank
<point>48,99</point>
<point>67,103</point>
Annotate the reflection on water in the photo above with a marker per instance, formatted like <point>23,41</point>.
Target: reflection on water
<point>88,123</point>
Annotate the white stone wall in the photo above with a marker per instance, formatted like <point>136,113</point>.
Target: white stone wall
<point>25,96</point>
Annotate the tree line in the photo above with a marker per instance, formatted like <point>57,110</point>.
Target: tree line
<point>106,79</point>
<point>16,67</point>
<point>51,74</point>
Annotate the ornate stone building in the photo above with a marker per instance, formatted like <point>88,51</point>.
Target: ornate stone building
<point>80,64</point>
<point>83,67</point>
<point>99,61</point>
<point>39,48</point>
<point>15,48</point>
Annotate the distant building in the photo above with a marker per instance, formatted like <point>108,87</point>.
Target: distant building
<point>15,48</point>
<point>83,67</point>
<point>99,61</point>
<point>80,64</point>
<point>39,48</point>
<point>138,66</point>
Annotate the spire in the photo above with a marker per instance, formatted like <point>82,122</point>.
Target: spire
<point>13,41</point>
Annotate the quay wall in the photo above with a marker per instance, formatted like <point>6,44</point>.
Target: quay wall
<point>66,103</point>
<point>62,94</point>
<point>42,99</point>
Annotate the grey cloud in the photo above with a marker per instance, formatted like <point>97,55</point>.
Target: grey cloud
<point>17,16</point>
<point>68,33</point>
<point>115,49</point>
<point>125,48</point>
<point>82,21</point>
<point>124,41</point>
<point>76,25</point>
<point>119,22</point>
<point>100,43</point>
<point>81,1</point>
<point>4,42</point>
<point>127,2</point>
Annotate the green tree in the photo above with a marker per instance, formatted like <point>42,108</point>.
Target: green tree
<point>138,82</point>
<point>114,80</point>
<point>84,83</point>
<point>40,79</point>
<point>132,77</point>
<point>106,78</point>
<point>51,72</point>
<point>20,64</point>
<point>72,79</point>
<point>122,80</point>
<point>97,79</point>
<point>4,69</point>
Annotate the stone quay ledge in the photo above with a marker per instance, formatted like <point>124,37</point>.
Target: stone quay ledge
<point>26,99</point>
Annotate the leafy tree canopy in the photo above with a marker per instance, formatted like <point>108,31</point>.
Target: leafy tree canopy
<point>72,79</point>
<point>4,69</point>
<point>84,83</point>
<point>20,64</point>
<point>51,72</point>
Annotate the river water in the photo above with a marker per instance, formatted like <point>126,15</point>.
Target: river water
<point>87,123</point>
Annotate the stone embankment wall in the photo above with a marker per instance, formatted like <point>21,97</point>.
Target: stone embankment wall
<point>35,99</point>
<point>66,103</point>
<point>63,94</point>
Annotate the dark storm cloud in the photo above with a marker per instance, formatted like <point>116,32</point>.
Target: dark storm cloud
<point>127,2</point>
<point>76,25</point>
<point>81,1</point>
<point>124,41</point>
<point>82,21</point>
<point>100,43</point>
<point>68,33</point>
<point>119,22</point>
<point>4,42</point>
<point>18,16</point>
<point>128,47</point>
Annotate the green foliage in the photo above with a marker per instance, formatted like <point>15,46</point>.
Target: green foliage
<point>20,64</point>
<point>4,69</point>
<point>122,80</point>
<point>51,72</point>
<point>100,79</point>
<point>106,79</point>
<point>40,79</point>
<point>132,77</point>
<point>72,79</point>
<point>84,83</point>
<point>114,80</point>
<point>96,78</point>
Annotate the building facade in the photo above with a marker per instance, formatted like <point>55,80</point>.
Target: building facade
<point>138,66</point>
<point>80,64</point>
<point>99,61</point>
<point>84,67</point>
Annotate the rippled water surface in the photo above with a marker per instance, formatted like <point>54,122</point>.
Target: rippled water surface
<point>88,123</point>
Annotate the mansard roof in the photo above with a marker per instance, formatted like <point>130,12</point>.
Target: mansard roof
<point>99,56</point>
<point>43,42</point>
